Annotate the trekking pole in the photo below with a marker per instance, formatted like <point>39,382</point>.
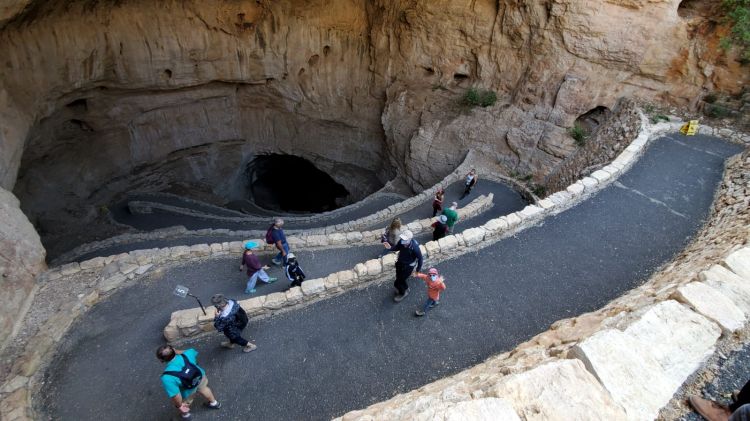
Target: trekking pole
<point>183,291</point>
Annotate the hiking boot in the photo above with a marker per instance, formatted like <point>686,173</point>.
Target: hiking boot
<point>712,411</point>
<point>208,405</point>
<point>272,280</point>
<point>400,297</point>
<point>227,345</point>
<point>249,347</point>
<point>419,313</point>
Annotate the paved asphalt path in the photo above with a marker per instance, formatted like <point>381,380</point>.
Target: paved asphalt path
<point>359,348</point>
<point>506,201</point>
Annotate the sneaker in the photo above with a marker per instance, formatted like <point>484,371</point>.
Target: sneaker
<point>276,262</point>
<point>419,313</point>
<point>208,405</point>
<point>399,297</point>
<point>249,347</point>
<point>250,291</point>
<point>712,411</point>
<point>227,345</point>
<point>187,416</point>
<point>272,280</point>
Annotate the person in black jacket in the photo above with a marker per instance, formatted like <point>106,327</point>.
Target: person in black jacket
<point>409,256</point>
<point>293,271</point>
<point>231,319</point>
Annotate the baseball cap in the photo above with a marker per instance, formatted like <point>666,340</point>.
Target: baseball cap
<point>406,235</point>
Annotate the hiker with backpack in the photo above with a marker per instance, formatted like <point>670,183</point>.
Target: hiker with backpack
<point>275,235</point>
<point>182,377</point>
<point>293,271</point>
<point>231,320</point>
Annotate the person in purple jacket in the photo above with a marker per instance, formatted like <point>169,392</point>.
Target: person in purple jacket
<point>254,269</point>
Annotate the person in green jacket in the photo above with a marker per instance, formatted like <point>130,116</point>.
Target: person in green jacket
<point>452,216</point>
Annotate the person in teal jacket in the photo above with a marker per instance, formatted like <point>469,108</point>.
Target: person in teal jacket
<point>182,377</point>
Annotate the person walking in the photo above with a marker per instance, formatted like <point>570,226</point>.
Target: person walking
<point>440,227</point>
<point>231,320</point>
<point>451,216</point>
<point>279,240</point>
<point>293,271</point>
<point>435,284</point>
<point>183,377</point>
<point>409,256</point>
<point>469,183</point>
<point>437,203</point>
<point>255,270</point>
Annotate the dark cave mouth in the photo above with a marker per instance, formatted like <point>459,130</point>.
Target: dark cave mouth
<point>289,183</point>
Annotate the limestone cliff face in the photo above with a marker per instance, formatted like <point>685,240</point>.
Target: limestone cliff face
<point>100,97</point>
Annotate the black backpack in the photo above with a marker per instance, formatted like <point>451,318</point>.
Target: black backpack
<point>269,235</point>
<point>190,376</point>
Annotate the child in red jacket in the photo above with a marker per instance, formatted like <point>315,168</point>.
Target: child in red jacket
<point>435,284</point>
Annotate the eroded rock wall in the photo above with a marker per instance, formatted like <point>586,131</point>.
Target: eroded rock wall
<point>21,259</point>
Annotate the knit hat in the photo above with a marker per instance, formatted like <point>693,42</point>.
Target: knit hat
<point>290,256</point>
<point>406,235</point>
<point>443,219</point>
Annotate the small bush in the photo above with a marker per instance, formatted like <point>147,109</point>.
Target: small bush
<point>539,190</point>
<point>474,97</point>
<point>578,133</point>
<point>716,111</point>
<point>648,108</point>
<point>738,15</point>
<point>658,117</point>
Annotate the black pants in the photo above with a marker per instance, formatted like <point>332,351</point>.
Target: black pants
<point>467,190</point>
<point>403,271</point>
<point>743,398</point>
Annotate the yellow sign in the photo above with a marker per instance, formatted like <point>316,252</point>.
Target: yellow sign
<point>689,129</point>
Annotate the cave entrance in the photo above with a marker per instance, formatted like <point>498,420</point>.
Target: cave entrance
<point>591,120</point>
<point>292,184</point>
<point>689,9</point>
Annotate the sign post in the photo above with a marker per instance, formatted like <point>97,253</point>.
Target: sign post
<point>183,291</point>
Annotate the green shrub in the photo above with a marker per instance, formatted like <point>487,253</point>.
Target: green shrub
<point>578,133</point>
<point>539,190</point>
<point>716,111</point>
<point>658,117</point>
<point>648,108</point>
<point>484,98</point>
<point>488,99</point>
<point>738,15</point>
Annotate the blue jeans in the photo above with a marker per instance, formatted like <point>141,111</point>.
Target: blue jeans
<point>254,279</point>
<point>279,257</point>
<point>428,304</point>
